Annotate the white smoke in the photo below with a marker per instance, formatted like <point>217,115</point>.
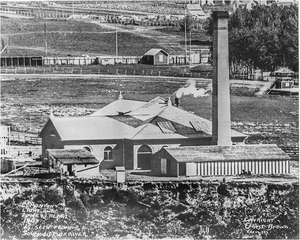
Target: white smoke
<point>263,89</point>
<point>190,88</point>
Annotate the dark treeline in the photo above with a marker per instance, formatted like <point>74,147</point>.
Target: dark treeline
<point>264,37</point>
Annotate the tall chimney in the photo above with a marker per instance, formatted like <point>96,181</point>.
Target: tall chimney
<point>221,129</point>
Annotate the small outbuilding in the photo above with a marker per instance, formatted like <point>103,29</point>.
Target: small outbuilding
<point>156,56</point>
<point>73,162</point>
<point>220,160</point>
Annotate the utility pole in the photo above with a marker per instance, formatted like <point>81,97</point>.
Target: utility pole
<point>45,37</point>
<point>190,48</point>
<point>185,34</point>
<point>116,43</point>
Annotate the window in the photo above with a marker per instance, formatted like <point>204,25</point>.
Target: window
<point>160,58</point>
<point>166,127</point>
<point>108,153</point>
<point>52,134</point>
<point>88,149</point>
<point>201,126</point>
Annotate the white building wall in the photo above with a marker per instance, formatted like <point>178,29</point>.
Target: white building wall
<point>236,167</point>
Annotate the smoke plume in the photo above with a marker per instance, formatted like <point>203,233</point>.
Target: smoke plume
<point>190,88</point>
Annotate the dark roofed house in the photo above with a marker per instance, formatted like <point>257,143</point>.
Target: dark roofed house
<point>74,162</point>
<point>220,160</point>
<point>156,56</point>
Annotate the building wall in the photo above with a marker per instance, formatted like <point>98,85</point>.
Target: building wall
<point>91,172</point>
<point>122,149</point>
<point>4,139</point>
<point>50,140</point>
<point>172,166</point>
<point>21,61</point>
<point>217,168</point>
<point>226,168</point>
<point>7,165</point>
<point>97,149</point>
<point>68,60</point>
<point>165,59</point>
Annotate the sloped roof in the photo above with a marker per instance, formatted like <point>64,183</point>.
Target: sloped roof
<point>150,109</point>
<point>137,124</point>
<point>195,9</point>
<point>73,156</point>
<point>91,128</point>
<point>227,153</point>
<point>129,120</point>
<point>119,106</point>
<point>284,70</point>
<point>181,119</point>
<point>155,51</point>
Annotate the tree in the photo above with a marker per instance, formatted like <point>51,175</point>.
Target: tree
<point>186,24</point>
<point>264,37</point>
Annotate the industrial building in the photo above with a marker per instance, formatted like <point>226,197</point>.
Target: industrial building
<point>220,160</point>
<point>165,138</point>
<point>127,133</point>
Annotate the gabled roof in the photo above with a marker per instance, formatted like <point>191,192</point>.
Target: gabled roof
<point>91,128</point>
<point>73,156</point>
<point>155,119</point>
<point>227,153</point>
<point>119,106</point>
<point>155,51</point>
<point>180,119</point>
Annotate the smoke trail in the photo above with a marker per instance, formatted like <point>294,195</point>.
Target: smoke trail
<point>190,88</point>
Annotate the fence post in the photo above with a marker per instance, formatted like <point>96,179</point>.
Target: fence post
<point>99,71</point>
<point>151,72</point>
<point>133,71</point>
<point>143,72</point>
<point>44,70</point>
<point>158,73</point>
<point>80,70</point>
<point>117,72</point>
<point>72,71</point>
<point>125,71</point>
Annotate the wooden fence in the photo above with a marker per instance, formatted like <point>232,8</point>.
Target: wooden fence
<point>23,138</point>
<point>99,71</point>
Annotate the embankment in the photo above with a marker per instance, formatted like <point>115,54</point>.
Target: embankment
<point>83,209</point>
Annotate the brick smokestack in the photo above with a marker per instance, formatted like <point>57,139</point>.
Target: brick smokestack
<point>221,129</point>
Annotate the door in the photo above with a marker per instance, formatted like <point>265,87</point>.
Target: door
<point>163,166</point>
<point>191,169</point>
<point>70,170</point>
<point>143,156</point>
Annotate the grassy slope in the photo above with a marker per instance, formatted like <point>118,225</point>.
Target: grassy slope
<point>95,93</point>
<point>72,43</point>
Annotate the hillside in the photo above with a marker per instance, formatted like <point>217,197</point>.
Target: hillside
<point>71,37</point>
